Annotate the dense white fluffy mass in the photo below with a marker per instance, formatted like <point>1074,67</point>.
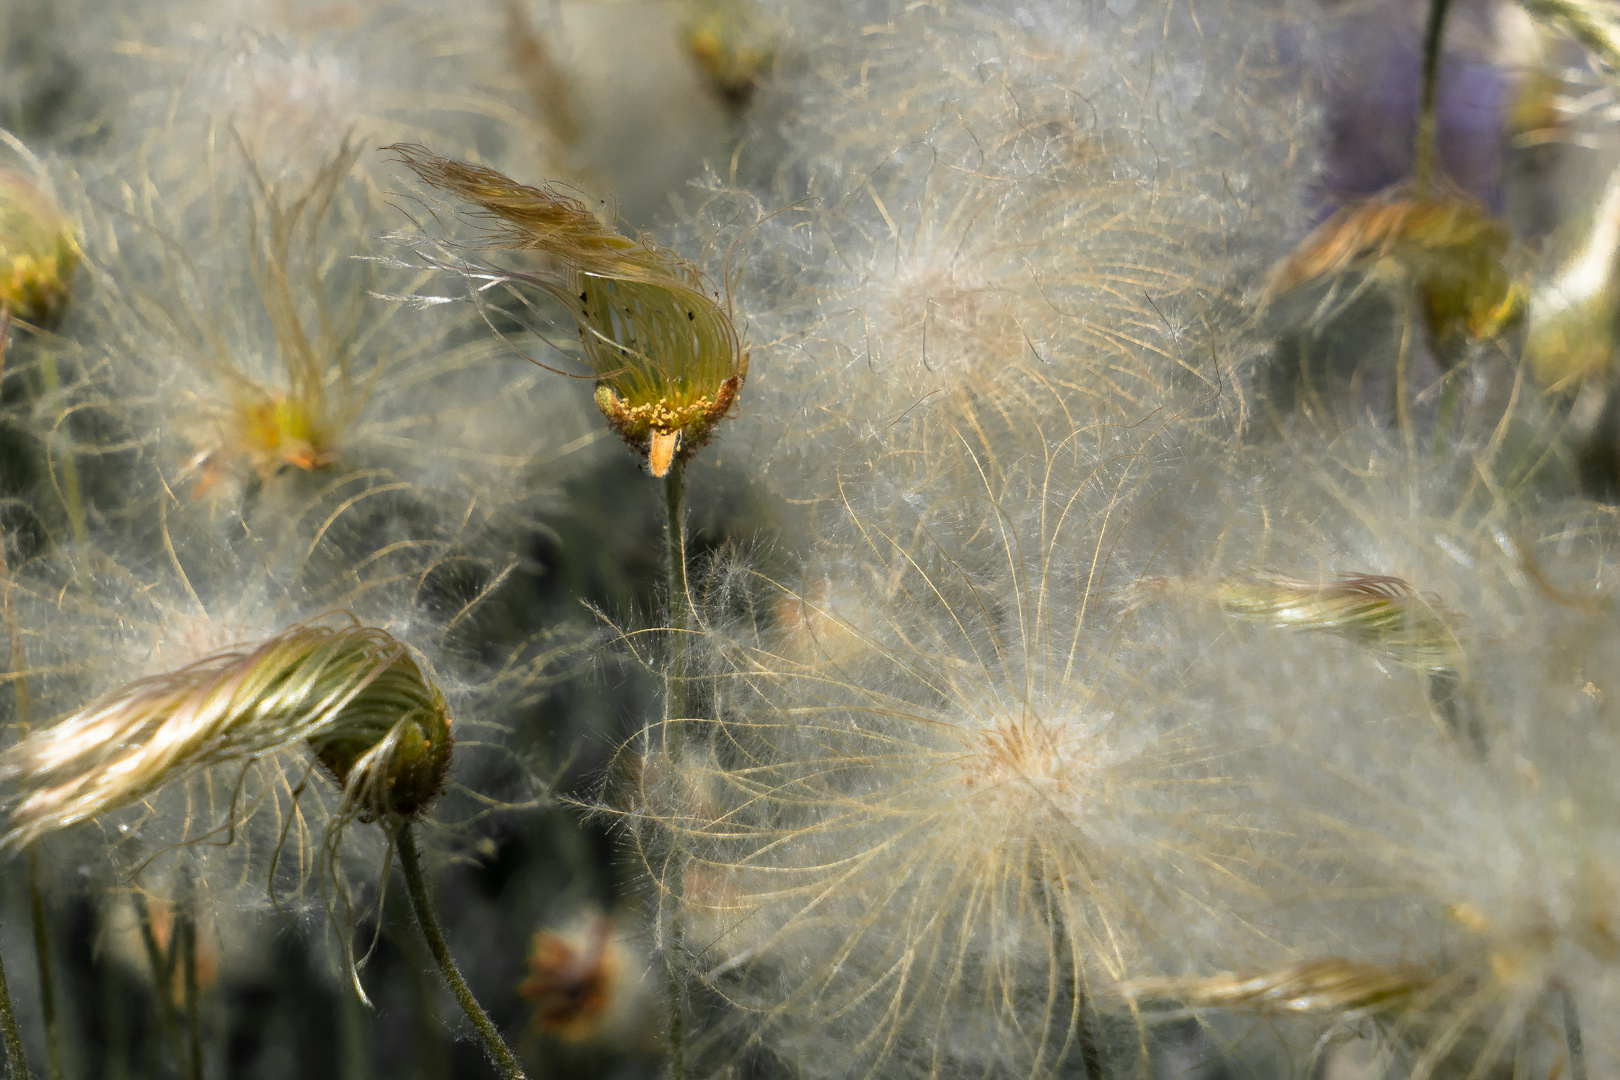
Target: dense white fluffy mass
<point>1127,584</point>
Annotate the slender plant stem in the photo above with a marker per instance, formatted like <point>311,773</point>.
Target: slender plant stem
<point>36,896</point>
<point>505,1062</point>
<point>162,978</point>
<point>677,1014</point>
<point>680,621</point>
<point>47,976</point>
<point>16,1059</point>
<point>1572,1036</point>
<point>680,602</point>
<point>1423,170</point>
<point>355,1059</point>
<point>1403,377</point>
<point>18,664</point>
<point>1083,1035</point>
<point>185,932</point>
<point>114,999</point>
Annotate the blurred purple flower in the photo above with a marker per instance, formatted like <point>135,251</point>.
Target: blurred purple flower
<point>1372,75</point>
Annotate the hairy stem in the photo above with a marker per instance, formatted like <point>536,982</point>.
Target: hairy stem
<point>505,1062</point>
<point>1572,1036</point>
<point>680,621</point>
<point>36,897</point>
<point>16,1060</point>
<point>1423,170</point>
<point>185,931</point>
<point>162,977</point>
<point>47,976</point>
<point>69,489</point>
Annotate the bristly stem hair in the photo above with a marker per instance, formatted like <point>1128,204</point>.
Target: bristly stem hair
<point>17,664</point>
<point>1423,165</point>
<point>47,978</point>
<point>16,1060</point>
<point>410,864</point>
<point>160,978</point>
<point>680,621</point>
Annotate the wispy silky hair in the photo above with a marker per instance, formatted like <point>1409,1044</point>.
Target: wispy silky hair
<point>949,801</point>
<point>1470,816</point>
<point>992,211</point>
<point>294,81</point>
<point>667,361</point>
<point>180,597</point>
<point>247,341</point>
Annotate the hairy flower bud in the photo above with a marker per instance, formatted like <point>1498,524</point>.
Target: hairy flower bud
<point>730,44</point>
<point>37,251</point>
<point>1450,248</point>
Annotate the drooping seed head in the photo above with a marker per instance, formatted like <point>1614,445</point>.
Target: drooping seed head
<point>731,45</point>
<point>377,726</point>
<point>667,360</point>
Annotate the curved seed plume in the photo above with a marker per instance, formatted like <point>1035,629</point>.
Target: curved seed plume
<point>667,359</point>
<point>377,725</point>
<point>1314,986</point>
<point>1377,611</point>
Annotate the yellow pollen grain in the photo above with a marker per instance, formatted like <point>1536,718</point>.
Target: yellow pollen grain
<point>663,416</point>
